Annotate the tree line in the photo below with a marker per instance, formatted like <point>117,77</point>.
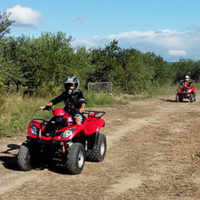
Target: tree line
<point>39,65</point>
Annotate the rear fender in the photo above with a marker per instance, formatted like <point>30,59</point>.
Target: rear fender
<point>93,125</point>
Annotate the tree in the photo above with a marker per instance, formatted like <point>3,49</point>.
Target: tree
<point>4,23</point>
<point>45,61</point>
<point>81,65</point>
<point>4,28</point>
<point>106,63</point>
<point>181,68</point>
<point>11,68</point>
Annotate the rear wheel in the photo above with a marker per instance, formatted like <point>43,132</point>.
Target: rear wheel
<point>98,152</point>
<point>24,158</point>
<point>75,159</point>
<point>177,98</point>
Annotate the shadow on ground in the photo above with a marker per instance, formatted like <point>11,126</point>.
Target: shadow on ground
<point>173,101</point>
<point>9,159</point>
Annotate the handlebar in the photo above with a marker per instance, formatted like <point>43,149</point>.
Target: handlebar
<point>97,114</point>
<point>49,108</point>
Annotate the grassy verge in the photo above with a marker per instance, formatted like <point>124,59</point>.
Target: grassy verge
<point>197,85</point>
<point>100,100</point>
<point>154,92</point>
<point>17,111</point>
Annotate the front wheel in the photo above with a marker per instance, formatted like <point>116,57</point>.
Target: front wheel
<point>75,159</point>
<point>192,97</point>
<point>98,152</point>
<point>24,158</point>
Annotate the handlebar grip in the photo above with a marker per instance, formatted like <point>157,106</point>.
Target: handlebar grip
<point>48,108</point>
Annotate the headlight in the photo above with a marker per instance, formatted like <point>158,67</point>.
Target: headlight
<point>189,90</point>
<point>33,129</point>
<point>67,133</point>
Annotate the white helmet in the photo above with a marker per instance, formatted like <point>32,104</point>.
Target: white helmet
<point>187,78</point>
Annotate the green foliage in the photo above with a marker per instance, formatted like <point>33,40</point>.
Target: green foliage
<point>39,65</point>
<point>44,60</point>
<point>154,91</point>
<point>4,24</point>
<point>93,99</point>
<point>2,91</point>
<point>17,112</point>
<point>181,68</point>
<point>81,65</point>
<point>106,64</point>
<point>2,82</point>
<point>138,75</point>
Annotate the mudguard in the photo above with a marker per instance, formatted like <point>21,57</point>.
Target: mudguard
<point>93,125</point>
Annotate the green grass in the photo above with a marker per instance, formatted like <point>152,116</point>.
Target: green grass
<point>197,85</point>
<point>153,92</point>
<point>93,99</point>
<point>17,111</point>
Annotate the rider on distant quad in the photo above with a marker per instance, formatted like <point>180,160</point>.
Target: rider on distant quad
<point>73,99</point>
<point>186,82</point>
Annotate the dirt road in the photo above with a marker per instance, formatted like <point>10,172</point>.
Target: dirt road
<point>151,155</point>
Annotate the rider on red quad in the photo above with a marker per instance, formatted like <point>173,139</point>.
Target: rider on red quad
<point>73,99</point>
<point>187,83</point>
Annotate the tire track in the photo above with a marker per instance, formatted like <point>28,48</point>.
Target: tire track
<point>134,125</point>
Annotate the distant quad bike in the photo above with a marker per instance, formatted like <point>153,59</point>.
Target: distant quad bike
<point>60,142</point>
<point>186,93</point>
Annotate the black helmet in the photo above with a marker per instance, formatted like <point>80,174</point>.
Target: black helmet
<point>69,81</point>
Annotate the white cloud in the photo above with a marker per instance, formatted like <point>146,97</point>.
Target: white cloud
<point>171,45</point>
<point>24,16</point>
<point>177,52</point>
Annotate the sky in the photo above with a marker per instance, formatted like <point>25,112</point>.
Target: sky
<point>168,28</point>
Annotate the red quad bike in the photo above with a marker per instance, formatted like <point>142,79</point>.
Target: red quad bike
<point>186,93</point>
<point>60,142</point>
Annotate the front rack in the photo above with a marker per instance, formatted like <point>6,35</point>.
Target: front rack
<point>97,114</point>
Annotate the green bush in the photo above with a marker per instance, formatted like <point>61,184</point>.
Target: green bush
<point>18,111</point>
<point>2,91</point>
<point>93,99</point>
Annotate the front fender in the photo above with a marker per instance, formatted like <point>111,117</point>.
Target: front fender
<point>193,89</point>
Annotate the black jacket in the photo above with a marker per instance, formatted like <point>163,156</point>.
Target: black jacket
<point>72,101</point>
